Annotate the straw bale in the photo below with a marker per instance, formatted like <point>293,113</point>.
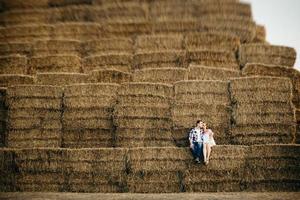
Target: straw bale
<point>262,139</point>
<point>90,102</point>
<point>109,45</point>
<point>34,91</point>
<point>61,79</point>
<point>87,138</point>
<point>91,123</point>
<point>56,63</point>
<point>127,28</point>
<point>142,111</point>
<point>159,59</point>
<point>146,89</point>
<point>52,47</point>
<point>173,25</point>
<point>75,13</point>
<point>267,54</point>
<point>27,123</point>
<point>77,30</point>
<point>57,3</point>
<point>109,76</point>
<point>203,98</point>
<point>257,95</point>
<point>26,33</point>
<point>260,83</point>
<point>260,36</point>
<point>8,48</point>
<point>263,129</point>
<point>19,4</point>
<point>159,43</point>
<point>207,40</point>
<point>7,80</point>
<point>222,119</point>
<point>166,159</point>
<point>32,134</point>
<point>162,75</point>
<point>83,113</point>
<point>38,103</point>
<point>201,87</point>
<point>14,64</point>
<point>34,113</point>
<point>118,61</point>
<point>91,90</point>
<point>200,72</point>
<point>264,108</point>
<point>276,171</point>
<point>217,58</point>
<point>154,182</point>
<point>199,108</point>
<point>128,122</point>
<point>25,16</point>
<point>142,100</point>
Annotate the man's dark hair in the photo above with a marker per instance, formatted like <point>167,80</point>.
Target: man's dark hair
<point>198,121</point>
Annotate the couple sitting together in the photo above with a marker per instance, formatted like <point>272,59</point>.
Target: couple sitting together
<point>201,140</point>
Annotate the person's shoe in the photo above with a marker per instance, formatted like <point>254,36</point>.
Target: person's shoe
<point>197,160</point>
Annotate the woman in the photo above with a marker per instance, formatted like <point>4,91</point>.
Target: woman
<point>208,142</point>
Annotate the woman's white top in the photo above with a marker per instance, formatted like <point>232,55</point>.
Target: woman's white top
<point>208,137</point>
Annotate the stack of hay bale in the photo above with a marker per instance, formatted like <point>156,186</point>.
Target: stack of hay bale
<point>272,168</point>
<point>7,80</point>
<point>156,170</point>
<point>201,100</point>
<point>109,76</point>
<point>110,53</point>
<point>160,51</point>
<point>22,48</point>
<point>61,79</point>
<point>87,117</point>
<point>263,112</point>
<point>94,170</point>
<point>34,116</point>
<point>143,115</point>
<point>213,50</point>
<point>14,64</point>
<point>3,116</point>
<point>224,174</point>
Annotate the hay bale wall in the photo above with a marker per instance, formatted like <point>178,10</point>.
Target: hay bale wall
<point>142,115</point>
<point>8,48</point>
<point>87,116</point>
<point>260,36</point>
<point>205,100</point>
<point>34,116</point>
<point>7,80</point>
<point>14,64</point>
<point>262,110</point>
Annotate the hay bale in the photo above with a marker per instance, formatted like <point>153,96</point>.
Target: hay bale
<point>216,58</point>
<point>34,102</point>
<point>160,59</point>
<point>61,79</point>
<point>117,61</point>
<point>207,40</point>
<point>224,173</point>
<point>260,36</point>
<point>19,4</point>
<point>142,112</point>
<point>75,13</point>
<point>55,63</point>
<point>78,31</point>
<point>277,170</point>
<point>146,89</point>
<point>34,113</point>
<point>257,119</point>
<point>141,100</point>
<point>199,87</point>
<point>8,48</point>
<point>34,91</point>
<point>7,80</point>
<point>53,47</point>
<point>91,90</point>
<point>26,33</point>
<point>200,72</point>
<point>14,64</point>
<point>109,45</point>
<point>62,3</point>
<point>138,123</point>
<point>159,43</point>
<point>109,76</point>
<point>160,75</point>
<point>127,28</point>
<point>267,54</point>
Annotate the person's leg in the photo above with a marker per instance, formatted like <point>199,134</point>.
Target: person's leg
<point>200,155</point>
<point>197,150</point>
<point>208,151</point>
<point>204,151</point>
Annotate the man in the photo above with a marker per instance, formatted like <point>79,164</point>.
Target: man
<point>196,141</point>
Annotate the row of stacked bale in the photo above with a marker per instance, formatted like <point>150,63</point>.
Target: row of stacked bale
<point>34,116</point>
<point>205,100</point>
<point>87,115</point>
<point>149,170</point>
<point>142,115</point>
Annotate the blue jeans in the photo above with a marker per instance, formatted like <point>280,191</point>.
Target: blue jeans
<point>197,151</point>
